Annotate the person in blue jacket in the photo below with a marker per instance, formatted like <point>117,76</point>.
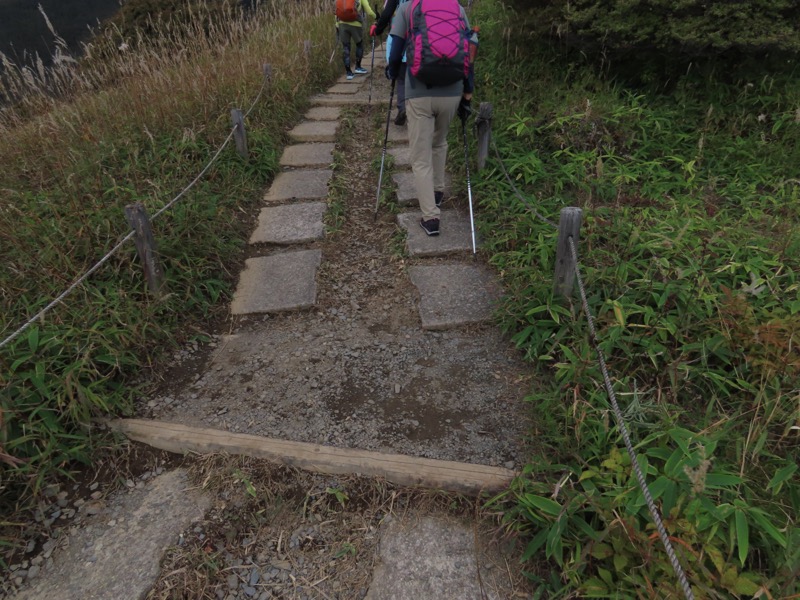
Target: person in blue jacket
<point>377,29</point>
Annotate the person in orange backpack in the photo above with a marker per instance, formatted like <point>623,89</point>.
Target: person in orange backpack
<point>349,25</point>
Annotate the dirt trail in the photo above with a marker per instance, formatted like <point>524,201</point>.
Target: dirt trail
<point>358,370</point>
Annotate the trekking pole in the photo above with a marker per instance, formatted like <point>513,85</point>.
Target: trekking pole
<point>335,45</point>
<point>469,184</point>
<point>383,156</point>
<point>371,70</point>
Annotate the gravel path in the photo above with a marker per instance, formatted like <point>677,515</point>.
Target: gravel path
<point>358,370</point>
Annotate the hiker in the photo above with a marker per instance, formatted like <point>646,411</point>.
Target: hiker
<point>349,26</point>
<point>376,30</point>
<point>435,90</point>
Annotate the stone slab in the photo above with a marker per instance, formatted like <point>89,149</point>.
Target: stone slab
<point>455,234</point>
<point>308,184</point>
<point>277,283</point>
<point>430,559</point>
<point>406,188</point>
<point>122,561</point>
<point>454,295</point>
<point>402,156</point>
<point>290,224</point>
<point>343,88</point>
<point>398,134</point>
<point>307,155</point>
<point>315,131</point>
<point>361,98</point>
<point>324,113</point>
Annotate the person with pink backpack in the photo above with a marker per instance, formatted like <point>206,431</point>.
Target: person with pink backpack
<point>434,36</point>
<point>377,29</point>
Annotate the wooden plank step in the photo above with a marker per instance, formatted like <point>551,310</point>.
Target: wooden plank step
<point>403,470</point>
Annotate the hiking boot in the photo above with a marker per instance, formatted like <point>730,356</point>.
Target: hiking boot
<point>360,71</point>
<point>438,197</point>
<point>400,119</point>
<point>350,75</point>
<point>431,226</point>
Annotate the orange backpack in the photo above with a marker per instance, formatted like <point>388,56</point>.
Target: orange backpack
<point>346,10</point>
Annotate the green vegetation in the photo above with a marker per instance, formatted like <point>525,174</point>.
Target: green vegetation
<point>83,140</point>
<point>690,250</point>
<point>690,27</point>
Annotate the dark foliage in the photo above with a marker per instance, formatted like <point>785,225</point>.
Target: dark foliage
<point>690,28</point>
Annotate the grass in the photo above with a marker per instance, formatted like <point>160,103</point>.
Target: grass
<point>338,190</point>
<point>82,140</point>
<point>690,249</point>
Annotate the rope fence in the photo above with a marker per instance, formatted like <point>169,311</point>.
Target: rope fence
<point>141,228</point>
<point>567,271</point>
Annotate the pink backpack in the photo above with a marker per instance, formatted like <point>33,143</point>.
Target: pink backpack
<point>438,46</point>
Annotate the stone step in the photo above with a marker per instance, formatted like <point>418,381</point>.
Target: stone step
<point>430,557</point>
<point>407,190</point>
<point>277,283</point>
<point>307,155</point>
<point>397,134</point>
<point>356,81</point>
<point>344,88</point>
<point>361,98</point>
<point>402,156</point>
<point>324,113</point>
<point>308,184</point>
<point>290,224</point>
<point>315,131</point>
<point>455,234</point>
<point>453,295</point>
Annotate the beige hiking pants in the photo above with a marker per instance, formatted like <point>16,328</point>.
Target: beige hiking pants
<point>428,123</point>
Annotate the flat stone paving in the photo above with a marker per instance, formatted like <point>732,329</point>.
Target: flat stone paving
<point>433,559</point>
<point>277,283</point>
<point>315,131</point>
<point>290,224</point>
<point>307,155</point>
<point>397,134</point>
<point>361,98</point>
<point>324,113</point>
<point>343,88</point>
<point>407,190</point>
<point>308,184</point>
<point>402,156</point>
<point>454,295</point>
<point>454,234</point>
<point>124,560</point>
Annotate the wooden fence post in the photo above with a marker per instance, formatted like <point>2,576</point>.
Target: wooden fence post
<point>484,123</point>
<point>239,134</point>
<point>569,225</point>
<point>267,71</point>
<point>307,48</point>
<point>145,245</point>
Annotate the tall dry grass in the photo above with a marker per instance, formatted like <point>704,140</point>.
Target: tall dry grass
<point>130,120</point>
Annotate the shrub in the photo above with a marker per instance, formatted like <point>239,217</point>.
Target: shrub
<point>692,27</point>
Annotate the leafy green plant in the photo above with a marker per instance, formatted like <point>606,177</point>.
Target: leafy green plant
<point>687,219</point>
<point>81,141</point>
<point>339,494</point>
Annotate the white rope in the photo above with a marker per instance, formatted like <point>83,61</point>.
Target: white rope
<point>130,235</point>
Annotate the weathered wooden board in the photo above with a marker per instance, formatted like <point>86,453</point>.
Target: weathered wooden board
<point>403,470</point>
